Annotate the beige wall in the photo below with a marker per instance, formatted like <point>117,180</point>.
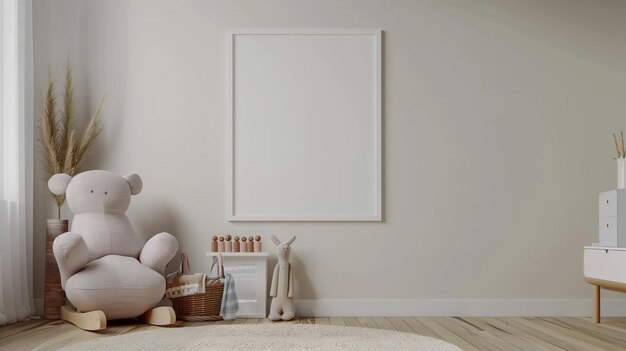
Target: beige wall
<point>497,121</point>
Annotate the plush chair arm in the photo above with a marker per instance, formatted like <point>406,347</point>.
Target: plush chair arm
<point>71,253</point>
<point>159,251</point>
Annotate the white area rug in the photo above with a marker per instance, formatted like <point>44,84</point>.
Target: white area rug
<point>278,336</point>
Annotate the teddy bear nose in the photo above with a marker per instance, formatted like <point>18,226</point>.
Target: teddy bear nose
<point>106,192</point>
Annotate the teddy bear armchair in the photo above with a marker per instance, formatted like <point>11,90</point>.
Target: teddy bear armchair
<point>107,271</point>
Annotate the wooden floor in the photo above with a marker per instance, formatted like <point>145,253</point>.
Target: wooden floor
<point>470,334</point>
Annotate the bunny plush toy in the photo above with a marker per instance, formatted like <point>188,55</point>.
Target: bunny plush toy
<point>282,283</point>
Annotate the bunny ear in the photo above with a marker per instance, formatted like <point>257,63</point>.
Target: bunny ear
<point>275,240</point>
<point>293,238</point>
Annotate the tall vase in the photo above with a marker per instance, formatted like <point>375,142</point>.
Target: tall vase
<point>54,296</point>
<point>621,181</point>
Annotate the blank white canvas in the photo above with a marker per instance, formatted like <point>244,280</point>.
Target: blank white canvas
<point>305,124</point>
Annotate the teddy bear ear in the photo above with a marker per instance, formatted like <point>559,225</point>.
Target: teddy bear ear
<point>58,183</point>
<point>135,183</point>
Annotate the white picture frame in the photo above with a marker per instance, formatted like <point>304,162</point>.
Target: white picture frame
<point>304,124</point>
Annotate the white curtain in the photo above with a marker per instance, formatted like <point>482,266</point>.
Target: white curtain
<point>16,160</point>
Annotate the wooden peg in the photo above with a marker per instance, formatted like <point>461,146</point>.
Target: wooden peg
<point>214,243</point>
<point>228,244</point>
<point>257,243</point>
<point>250,244</point>
<point>236,244</point>
<point>244,246</point>
<point>220,244</point>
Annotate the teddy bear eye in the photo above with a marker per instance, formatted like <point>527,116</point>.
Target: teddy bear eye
<point>106,192</point>
<point>92,191</point>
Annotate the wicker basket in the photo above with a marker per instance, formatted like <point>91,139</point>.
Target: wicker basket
<point>206,306</point>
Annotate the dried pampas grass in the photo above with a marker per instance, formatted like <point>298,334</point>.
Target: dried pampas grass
<point>64,151</point>
<point>621,153</point>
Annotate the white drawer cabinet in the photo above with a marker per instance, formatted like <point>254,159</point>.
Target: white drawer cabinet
<point>604,267</point>
<point>607,231</point>
<point>605,264</point>
<point>249,269</point>
<point>612,218</point>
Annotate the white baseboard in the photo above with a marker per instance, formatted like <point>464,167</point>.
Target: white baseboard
<point>457,307</point>
<point>446,307</point>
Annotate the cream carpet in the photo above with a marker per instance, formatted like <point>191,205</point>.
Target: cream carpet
<point>279,336</point>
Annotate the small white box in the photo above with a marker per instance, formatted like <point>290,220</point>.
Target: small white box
<point>612,218</point>
<point>605,264</point>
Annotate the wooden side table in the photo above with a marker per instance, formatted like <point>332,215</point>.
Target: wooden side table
<point>604,267</point>
<point>250,272</point>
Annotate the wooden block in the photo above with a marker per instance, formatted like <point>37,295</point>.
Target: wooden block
<point>220,244</point>
<point>257,244</point>
<point>236,244</point>
<point>228,244</point>
<point>244,245</point>
<point>250,244</point>
<point>214,243</point>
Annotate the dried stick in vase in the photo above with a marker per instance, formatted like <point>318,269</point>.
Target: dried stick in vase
<point>619,153</point>
<point>623,151</point>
